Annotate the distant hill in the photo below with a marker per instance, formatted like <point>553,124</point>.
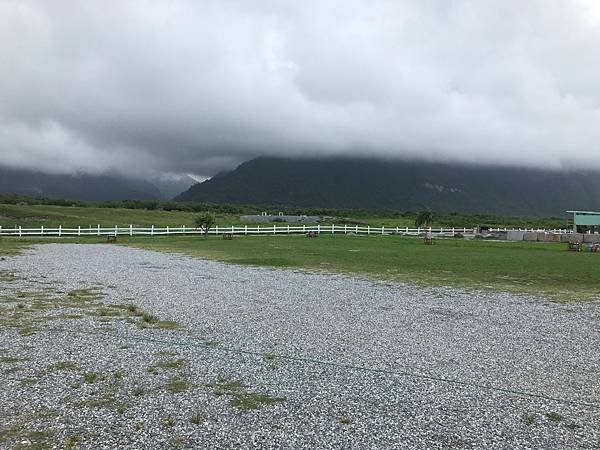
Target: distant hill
<point>407,186</point>
<point>75,187</point>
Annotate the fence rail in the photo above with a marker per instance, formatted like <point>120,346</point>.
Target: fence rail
<point>252,230</point>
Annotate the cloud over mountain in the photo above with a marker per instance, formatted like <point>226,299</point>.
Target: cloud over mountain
<point>199,86</point>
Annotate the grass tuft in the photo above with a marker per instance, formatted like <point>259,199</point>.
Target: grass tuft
<point>149,318</point>
<point>71,442</point>
<point>345,420</point>
<point>269,356</point>
<point>554,417</point>
<point>168,421</point>
<point>176,441</point>
<point>250,401</point>
<point>90,377</point>
<point>528,419</point>
<point>139,391</point>
<point>175,385</point>
<point>196,419</point>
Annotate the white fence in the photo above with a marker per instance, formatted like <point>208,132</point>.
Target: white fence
<point>250,230</point>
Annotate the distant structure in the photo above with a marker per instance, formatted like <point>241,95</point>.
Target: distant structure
<point>586,221</point>
<point>280,217</point>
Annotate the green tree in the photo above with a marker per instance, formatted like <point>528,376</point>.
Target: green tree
<point>424,218</point>
<point>205,221</point>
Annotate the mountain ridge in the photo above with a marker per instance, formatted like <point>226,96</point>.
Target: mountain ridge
<point>85,187</point>
<point>403,185</point>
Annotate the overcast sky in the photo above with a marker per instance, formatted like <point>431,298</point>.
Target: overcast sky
<point>199,86</point>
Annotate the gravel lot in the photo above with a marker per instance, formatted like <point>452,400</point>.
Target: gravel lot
<point>244,357</point>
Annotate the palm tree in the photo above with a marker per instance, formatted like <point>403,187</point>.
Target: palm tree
<point>424,218</point>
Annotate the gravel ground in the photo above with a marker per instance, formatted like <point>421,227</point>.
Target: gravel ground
<point>103,346</point>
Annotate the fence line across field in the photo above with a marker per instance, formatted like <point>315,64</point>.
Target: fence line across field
<point>253,230</point>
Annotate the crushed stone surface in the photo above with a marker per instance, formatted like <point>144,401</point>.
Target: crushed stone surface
<point>105,346</point>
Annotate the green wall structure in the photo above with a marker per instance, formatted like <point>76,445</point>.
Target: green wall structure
<point>584,221</point>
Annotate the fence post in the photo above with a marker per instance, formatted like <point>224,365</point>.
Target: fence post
<point>406,230</point>
<point>19,230</point>
<point>59,231</point>
<point>130,229</point>
<point>332,229</point>
<point>452,230</point>
<point>383,229</point>
<point>258,229</point>
<point>418,230</point>
<point>246,230</point>
<point>368,230</point>
<point>319,228</point>
<point>167,229</point>
<point>152,230</point>
<point>216,230</point>
<point>304,228</point>
<point>356,229</point>
<point>345,228</point>
<point>441,230</point>
<point>116,230</point>
<point>41,230</point>
<point>274,229</point>
<point>78,230</point>
<point>464,230</point>
<point>98,229</point>
<point>288,228</point>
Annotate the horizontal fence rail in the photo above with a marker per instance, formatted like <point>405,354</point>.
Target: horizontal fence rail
<point>256,230</point>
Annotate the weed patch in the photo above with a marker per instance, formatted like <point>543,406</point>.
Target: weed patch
<point>176,441</point>
<point>241,398</point>
<point>71,442</point>
<point>90,377</point>
<point>196,419</point>
<point>249,401</point>
<point>169,364</point>
<point>168,421</point>
<point>554,417</point>
<point>528,419</point>
<point>176,385</point>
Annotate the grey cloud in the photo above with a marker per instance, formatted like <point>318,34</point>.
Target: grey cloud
<point>199,86</point>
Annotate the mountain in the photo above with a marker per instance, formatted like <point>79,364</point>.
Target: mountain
<point>76,187</point>
<point>170,186</point>
<point>402,185</point>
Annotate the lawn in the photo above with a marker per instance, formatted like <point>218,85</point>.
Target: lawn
<point>51,216</point>
<point>545,269</point>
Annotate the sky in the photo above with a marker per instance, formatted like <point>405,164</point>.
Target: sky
<point>196,87</point>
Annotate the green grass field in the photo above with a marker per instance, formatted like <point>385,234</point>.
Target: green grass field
<point>51,216</point>
<point>545,269</point>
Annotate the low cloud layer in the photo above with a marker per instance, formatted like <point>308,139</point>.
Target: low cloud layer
<point>148,87</point>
